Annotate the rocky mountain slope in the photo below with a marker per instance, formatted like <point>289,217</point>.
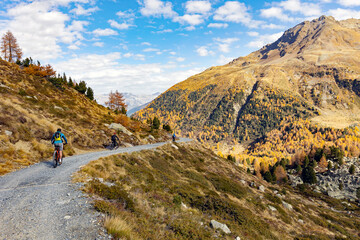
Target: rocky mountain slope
<point>32,108</point>
<point>311,72</point>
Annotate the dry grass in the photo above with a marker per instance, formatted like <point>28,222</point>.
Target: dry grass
<point>337,119</point>
<point>120,228</point>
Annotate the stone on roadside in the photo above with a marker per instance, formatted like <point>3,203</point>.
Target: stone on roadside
<point>127,144</point>
<point>261,188</point>
<point>119,127</point>
<point>216,225</point>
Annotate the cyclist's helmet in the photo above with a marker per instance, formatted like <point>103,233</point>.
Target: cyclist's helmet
<point>59,130</point>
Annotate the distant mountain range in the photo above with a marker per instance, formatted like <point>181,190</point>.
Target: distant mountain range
<point>133,101</point>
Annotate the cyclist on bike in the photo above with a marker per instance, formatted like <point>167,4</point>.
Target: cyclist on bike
<point>58,140</point>
<point>113,140</point>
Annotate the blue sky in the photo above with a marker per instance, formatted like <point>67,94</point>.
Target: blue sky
<point>146,46</point>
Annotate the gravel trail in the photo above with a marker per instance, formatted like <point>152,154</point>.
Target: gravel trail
<point>40,202</point>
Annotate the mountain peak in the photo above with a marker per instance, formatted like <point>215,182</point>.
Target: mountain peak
<point>309,40</point>
<point>325,18</point>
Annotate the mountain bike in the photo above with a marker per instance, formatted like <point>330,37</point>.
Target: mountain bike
<point>114,146</point>
<point>56,157</point>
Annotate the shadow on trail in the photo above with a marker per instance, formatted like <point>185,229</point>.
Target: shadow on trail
<point>48,164</point>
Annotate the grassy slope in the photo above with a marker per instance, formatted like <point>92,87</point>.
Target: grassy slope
<point>174,192</point>
<point>32,108</point>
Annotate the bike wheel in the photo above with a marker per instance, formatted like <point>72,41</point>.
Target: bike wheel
<point>55,159</point>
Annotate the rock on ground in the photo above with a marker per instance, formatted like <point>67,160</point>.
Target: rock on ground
<point>216,225</point>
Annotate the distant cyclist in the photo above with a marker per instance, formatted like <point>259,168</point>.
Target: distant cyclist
<point>174,137</point>
<point>58,140</point>
<point>114,140</point>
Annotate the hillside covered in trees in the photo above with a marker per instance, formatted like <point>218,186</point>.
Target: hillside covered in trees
<point>309,74</point>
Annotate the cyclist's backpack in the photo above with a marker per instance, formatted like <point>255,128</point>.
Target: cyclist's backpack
<point>57,136</point>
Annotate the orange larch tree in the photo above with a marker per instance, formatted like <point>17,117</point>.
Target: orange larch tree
<point>9,47</point>
<point>116,102</point>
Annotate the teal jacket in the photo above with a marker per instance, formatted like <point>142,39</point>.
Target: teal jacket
<point>62,137</point>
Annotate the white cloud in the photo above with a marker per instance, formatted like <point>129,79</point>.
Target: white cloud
<point>150,50</point>
<point>120,26</point>
<point>224,60</point>
<point>135,56</point>
<point>73,47</point>
<point>79,10</point>
<point>218,25</point>
<point>172,53</point>
<point>190,28</point>
<point>157,8</point>
<point>78,26</point>
<point>342,14</point>
<point>233,11</point>
<point>194,19</point>
<point>275,12</point>
<point>224,43</point>
<point>349,3</point>
<point>180,59</point>
<point>262,40</point>
<point>109,75</point>
<point>253,34</point>
<point>164,31</point>
<point>104,32</point>
<point>307,9</point>
<point>272,26</point>
<point>40,28</point>
<point>203,51</point>
<point>146,44</point>
<point>126,14</point>
<point>202,7</point>
<point>98,44</point>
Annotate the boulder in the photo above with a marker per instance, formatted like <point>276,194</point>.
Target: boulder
<point>121,128</point>
<point>261,188</point>
<point>216,225</point>
<point>272,208</point>
<point>237,238</point>
<point>57,107</point>
<point>243,182</point>
<point>151,137</point>
<point>287,205</point>
<point>8,133</point>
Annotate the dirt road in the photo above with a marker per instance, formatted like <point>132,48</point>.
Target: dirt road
<point>40,202</point>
